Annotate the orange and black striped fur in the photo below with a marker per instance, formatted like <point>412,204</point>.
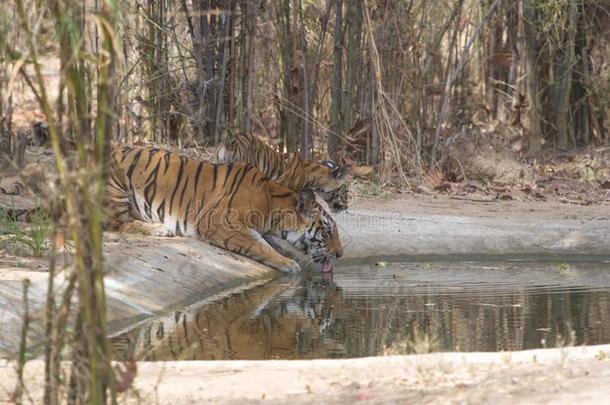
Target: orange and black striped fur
<point>232,206</point>
<point>291,171</point>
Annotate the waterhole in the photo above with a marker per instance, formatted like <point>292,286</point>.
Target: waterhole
<point>374,307</point>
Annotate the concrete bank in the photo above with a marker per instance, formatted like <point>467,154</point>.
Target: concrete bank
<point>147,276</point>
<point>427,226</point>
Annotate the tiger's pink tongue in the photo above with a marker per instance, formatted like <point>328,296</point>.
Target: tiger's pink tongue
<point>328,266</point>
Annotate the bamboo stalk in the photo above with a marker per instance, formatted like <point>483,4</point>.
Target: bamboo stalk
<point>18,394</point>
<point>83,204</point>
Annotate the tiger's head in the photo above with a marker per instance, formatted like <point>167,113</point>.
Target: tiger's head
<point>318,235</point>
<point>334,189</point>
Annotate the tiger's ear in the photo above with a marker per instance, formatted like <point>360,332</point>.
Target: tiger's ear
<point>340,172</point>
<point>306,202</point>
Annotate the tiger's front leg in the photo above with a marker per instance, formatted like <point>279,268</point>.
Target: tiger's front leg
<point>248,242</point>
<point>144,228</point>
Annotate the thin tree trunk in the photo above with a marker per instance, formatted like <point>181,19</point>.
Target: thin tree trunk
<point>289,104</point>
<point>194,30</point>
<point>151,72</point>
<point>584,126</point>
<point>221,94</point>
<point>353,59</point>
<point>162,72</point>
<point>532,48</point>
<point>493,48</point>
<point>306,137</point>
<point>512,27</point>
<point>565,73</point>
<point>315,64</point>
<point>337,84</point>
<point>248,21</point>
<point>375,155</point>
<point>208,22</point>
<point>232,75</point>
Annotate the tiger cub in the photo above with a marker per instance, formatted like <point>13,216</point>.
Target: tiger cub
<point>292,171</point>
<point>232,206</point>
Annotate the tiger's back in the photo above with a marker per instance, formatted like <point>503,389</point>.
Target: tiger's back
<point>180,192</point>
<point>292,171</point>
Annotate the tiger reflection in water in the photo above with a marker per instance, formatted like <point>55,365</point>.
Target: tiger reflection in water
<point>289,319</point>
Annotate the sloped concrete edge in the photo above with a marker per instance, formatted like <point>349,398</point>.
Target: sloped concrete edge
<point>366,233</point>
<point>145,276</point>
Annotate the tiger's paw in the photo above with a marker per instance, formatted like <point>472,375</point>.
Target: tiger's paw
<point>145,228</point>
<point>289,266</point>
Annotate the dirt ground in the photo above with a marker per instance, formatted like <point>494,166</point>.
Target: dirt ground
<point>483,207</point>
<point>557,376</point>
<point>435,379</point>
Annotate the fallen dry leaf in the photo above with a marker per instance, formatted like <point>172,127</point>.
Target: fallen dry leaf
<point>363,171</point>
<point>445,187</point>
<point>13,189</point>
<point>505,197</point>
<point>435,178</point>
<point>363,396</point>
<point>125,375</point>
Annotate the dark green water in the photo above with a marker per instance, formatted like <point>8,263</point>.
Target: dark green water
<point>366,310</point>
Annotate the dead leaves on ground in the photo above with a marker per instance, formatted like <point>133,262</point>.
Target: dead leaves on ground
<point>581,177</point>
<point>564,190</point>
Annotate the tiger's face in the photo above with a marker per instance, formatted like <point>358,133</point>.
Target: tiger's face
<point>321,241</point>
<point>318,238</point>
<point>335,189</point>
<point>337,198</point>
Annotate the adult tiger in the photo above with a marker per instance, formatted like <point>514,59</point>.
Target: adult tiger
<point>291,171</point>
<point>231,206</point>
